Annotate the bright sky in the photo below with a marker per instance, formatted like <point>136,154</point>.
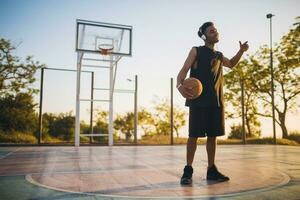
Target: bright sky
<point>163,33</point>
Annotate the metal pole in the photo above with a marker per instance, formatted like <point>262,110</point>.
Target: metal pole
<point>111,82</point>
<point>92,107</point>
<point>243,111</point>
<point>78,76</point>
<point>171,118</point>
<point>77,117</point>
<point>135,109</point>
<point>41,107</point>
<point>269,16</point>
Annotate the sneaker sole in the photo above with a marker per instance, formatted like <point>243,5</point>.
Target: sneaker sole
<point>185,183</point>
<point>218,180</point>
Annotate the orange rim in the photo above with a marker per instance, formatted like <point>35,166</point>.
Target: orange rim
<point>105,49</point>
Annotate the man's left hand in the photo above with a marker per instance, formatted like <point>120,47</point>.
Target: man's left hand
<point>244,47</point>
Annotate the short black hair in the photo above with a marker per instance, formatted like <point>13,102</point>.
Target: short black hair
<point>203,28</point>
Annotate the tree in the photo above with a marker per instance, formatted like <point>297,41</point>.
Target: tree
<point>101,126</point>
<point>16,95</point>
<point>232,95</point>
<point>146,121</point>
<point>15,75</point>
<point>101,122</point>
<point>17,113</point>
<point>286,77</point>
<point>162,118</point>
<point>60,125</point>
<point>235,132</point>
<point>125,124</point>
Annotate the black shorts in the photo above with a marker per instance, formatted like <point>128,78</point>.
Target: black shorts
<point>206,121</point>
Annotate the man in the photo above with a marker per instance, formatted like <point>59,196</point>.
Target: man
<point>206,113</point>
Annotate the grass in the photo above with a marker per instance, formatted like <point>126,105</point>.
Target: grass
<point>18,138</point>
<point>28,138</point>
<point>163,140</point>
<point>50,139</point>
<point>294,135</point>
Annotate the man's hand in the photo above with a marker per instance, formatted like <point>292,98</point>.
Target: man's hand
<point>235,59</point>
<point>244,47</point>
<point>185,92</point>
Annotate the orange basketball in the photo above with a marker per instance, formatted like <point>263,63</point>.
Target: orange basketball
<point>195,85</point>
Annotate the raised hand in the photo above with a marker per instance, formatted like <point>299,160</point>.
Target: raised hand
<point>244,47</point>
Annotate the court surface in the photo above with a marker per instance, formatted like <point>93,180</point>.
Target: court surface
<point>147,172</point>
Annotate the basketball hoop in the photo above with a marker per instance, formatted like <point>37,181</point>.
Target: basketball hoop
<point>105,49</point>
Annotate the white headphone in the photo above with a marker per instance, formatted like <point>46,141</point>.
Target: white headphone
<point>203,37</point>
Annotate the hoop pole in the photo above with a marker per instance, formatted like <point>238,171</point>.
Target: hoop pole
<point>77,117</point>
<point>111,108</point>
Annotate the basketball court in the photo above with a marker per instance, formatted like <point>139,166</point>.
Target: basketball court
<point>136,171</point>
<point>147,172</point>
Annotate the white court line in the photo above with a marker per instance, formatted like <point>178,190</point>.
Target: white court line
<point>286,180</point>
<point>8,154</point>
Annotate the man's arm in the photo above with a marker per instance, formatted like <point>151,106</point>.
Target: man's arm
<point>186,92</point>
<point>187,65</point>
<point>235,59</point>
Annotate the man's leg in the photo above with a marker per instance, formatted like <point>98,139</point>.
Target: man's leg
<point>212,171</point>
<point>191,147</point>
<point>211,150</point>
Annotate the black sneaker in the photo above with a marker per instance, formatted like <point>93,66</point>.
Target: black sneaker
<point>214,175</point>
<point>186,178</point>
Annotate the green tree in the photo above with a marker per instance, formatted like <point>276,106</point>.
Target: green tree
<point>162,116</point>
<point>146,121</point>
<point>15,75</point>
<point>101,126</point>
<point>17,113</point>
<point>16,93</point>
<point>101,122</point>
<point>232,94</point>
<point>125,124</point>
<point>61,125</point>
<point>235,132</point>
<point>286,77</point>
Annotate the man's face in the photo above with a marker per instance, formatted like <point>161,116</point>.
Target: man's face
<point>212,34</point>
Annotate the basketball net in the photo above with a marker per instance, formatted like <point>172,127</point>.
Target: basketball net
<point>105,50</point>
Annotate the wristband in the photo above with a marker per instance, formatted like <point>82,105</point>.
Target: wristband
<point>178,86</point>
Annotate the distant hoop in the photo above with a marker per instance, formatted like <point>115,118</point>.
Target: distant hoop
<point>105,49</point>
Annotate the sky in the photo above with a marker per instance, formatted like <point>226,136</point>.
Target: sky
<point>163,33</point>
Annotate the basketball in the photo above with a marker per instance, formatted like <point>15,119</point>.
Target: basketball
<point>195,85</point>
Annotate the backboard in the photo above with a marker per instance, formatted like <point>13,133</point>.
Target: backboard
<point>90,35</point>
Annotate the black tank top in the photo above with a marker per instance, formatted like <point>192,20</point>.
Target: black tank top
<point>209,71</point>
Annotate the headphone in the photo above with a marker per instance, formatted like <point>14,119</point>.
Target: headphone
<point>201,34</point>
